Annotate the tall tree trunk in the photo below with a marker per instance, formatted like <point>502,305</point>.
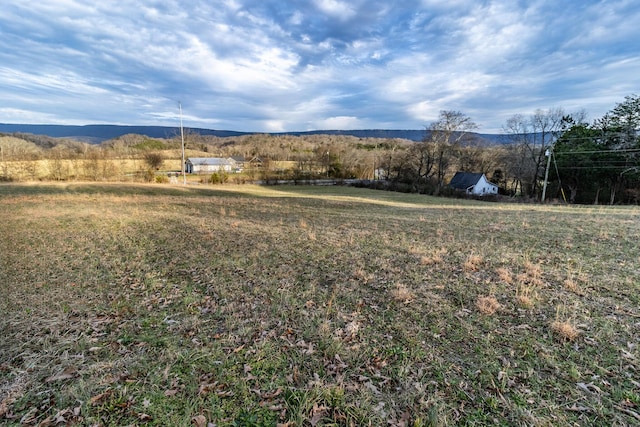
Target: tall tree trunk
<point>573,190</point>
<point>613,195</point>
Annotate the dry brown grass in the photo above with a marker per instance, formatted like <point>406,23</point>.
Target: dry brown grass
<point>435,257</point>
<point>571,285</point>
<point>487,305</point>
<point>402,294</point>
<point>362,276</point>
<point>525,296</point>
<point>324,328</point>
<point>534,271</point>
<point>505,275</point>
<point>472,263</point>
<point>415,250</point>
<point>573,281</point>
<point>565,330</point>
<point>531,276</point>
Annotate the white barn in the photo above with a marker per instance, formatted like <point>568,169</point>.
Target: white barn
<point>473,183</point>
<point>210,165</point>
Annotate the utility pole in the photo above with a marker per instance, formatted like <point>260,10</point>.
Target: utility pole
<point>546,173</point>
<point>184,175</point>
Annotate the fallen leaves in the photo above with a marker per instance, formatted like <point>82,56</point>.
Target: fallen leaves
<point>576,408</point>
<point>4,406</point>
<point>318,412</point>
<point>199,421</point>
<point>68,373</point>
<point>269,395</point>
<point>68,416</point>
<point>589,388</point>
<point>269,399</point>
<point>171,393</point>
<point>627,411</point>
<point>99,398</point>
<point>220,390</point>
<point>144,417</point>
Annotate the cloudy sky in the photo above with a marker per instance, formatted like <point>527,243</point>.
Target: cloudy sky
<point>294,65</point>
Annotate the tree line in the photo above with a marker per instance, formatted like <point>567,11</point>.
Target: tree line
<point>548,154</point>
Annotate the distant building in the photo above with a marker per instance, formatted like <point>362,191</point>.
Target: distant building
<point>240,162</point>
<point>211,165</point>
<point>380,173</point>
<point>473,184</point>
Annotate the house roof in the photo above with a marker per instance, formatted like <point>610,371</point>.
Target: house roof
<point>209,161</point>
<point>464,180</point>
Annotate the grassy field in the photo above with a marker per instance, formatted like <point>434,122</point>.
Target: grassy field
<point>309,306</point>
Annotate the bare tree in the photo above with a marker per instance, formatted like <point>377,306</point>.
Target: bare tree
<point>530,138</point>
<point>153,160</point>
<point>519,168</point>
<point>58,161</point>
<point>423,159</point>
<point>446,134</point>
<point>17,157</point>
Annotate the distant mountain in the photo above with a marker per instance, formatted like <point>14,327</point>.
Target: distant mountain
<point>413,135</point>
<point>97,133</point>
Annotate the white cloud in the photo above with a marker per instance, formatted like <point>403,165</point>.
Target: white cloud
<point>274,125</point>
<point>281,66</point>
<point>338,122</point>
<point>448,5</point>
<point>605,23</point>
<point>337,9</point>
<point>297,18</point>
<point>494,35</point>
<point>33,116</point>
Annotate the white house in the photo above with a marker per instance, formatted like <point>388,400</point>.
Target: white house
<point>473,183</point>
<point>210,165</point>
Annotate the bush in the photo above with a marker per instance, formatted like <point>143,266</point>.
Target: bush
<point>149,175</point>
<point>154,160</point>
<point>219,177</point>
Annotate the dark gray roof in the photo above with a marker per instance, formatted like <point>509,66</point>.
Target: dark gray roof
<point>464,180</point>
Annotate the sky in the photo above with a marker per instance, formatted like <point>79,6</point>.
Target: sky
<point>298,65</point>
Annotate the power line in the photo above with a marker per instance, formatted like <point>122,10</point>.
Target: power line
<point>552,138</point>
<point>594,167</point>
<point>613,151</point>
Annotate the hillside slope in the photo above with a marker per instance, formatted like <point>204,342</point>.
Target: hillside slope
<point>99,133</point>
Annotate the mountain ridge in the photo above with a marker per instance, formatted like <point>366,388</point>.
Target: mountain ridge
<point>97,133</point>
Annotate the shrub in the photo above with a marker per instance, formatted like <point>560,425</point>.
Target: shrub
<point>149,175</point>
<point>219,177</point>
<point>154,160</point>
